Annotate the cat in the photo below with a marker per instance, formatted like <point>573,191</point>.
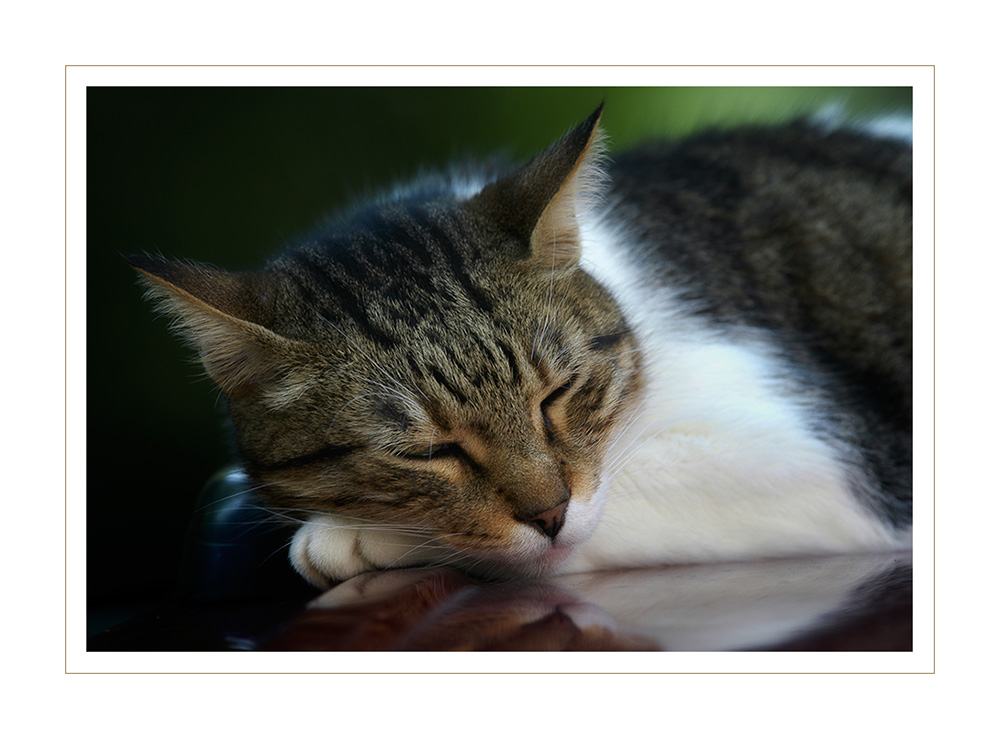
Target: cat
<point>696,351</point>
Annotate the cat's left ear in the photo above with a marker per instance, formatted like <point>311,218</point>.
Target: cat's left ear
<point>541,202</point>
<point>225,317</point>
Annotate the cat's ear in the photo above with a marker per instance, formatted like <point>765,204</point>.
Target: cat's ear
<point>541,202</point>
<point>221,314</point>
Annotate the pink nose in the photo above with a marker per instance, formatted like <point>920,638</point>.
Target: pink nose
<point>549,522</point>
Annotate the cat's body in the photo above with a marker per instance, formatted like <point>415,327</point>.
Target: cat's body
<point>711,363</point>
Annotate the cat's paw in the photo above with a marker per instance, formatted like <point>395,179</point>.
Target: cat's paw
<point>327,550</point>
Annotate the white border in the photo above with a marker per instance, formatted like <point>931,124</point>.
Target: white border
<point>79,78</point>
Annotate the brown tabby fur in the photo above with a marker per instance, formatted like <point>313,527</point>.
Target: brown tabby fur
<point>342,404</point>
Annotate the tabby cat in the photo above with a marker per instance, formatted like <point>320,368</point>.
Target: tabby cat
<point>700,351</point>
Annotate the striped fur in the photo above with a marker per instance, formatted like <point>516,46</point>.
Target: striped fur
<point>515,380</point>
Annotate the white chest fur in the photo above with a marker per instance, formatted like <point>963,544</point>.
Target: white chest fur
<point>719,461</point>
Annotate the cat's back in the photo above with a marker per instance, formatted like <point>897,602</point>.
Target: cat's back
<point>793,244</point>
<point>799,230</point>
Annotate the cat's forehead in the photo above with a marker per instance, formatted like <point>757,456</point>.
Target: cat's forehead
<point>403,273</point>
<point>422,232</point>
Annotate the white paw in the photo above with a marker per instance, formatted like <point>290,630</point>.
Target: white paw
<point>327,549</point>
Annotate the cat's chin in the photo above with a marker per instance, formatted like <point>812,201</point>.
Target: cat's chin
<point>554,557</point>
<point>508,566</point>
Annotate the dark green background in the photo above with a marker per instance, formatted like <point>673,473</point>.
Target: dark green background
<point>229,175</point>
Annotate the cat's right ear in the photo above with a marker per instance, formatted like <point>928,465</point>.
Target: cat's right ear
<point>221,314</point>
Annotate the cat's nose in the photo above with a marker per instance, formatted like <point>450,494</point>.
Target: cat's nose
<point>550,521</point>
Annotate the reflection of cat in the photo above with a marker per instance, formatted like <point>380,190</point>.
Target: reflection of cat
<point>440,610</point>
<point>818,603</point>
<point>501,374</point>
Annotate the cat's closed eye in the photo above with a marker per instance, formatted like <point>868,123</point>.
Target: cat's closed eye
<point>549,401</point>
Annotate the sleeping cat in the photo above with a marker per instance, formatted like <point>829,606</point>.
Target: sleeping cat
<point>700,351</point>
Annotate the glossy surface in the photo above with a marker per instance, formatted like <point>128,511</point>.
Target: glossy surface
<point>834,603</point>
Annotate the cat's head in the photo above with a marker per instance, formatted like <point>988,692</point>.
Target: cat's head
<point>441,366</point>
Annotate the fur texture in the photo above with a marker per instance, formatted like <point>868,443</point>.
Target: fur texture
<point>712,362</point>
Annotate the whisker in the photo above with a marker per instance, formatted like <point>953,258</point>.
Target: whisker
<point>237,494</point>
